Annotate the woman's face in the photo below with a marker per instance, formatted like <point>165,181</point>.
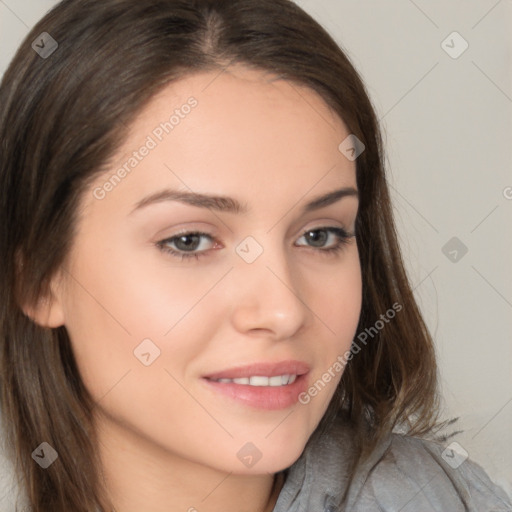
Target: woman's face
<point>270,288</point>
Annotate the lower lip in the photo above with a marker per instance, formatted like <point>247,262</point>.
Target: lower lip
<point>262,397</point>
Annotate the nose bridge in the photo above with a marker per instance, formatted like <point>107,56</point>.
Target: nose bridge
<point>267,288</point>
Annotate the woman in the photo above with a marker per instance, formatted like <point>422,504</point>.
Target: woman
<point>204,304</point>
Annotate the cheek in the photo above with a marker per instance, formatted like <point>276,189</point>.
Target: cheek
<point>336,301</point>
<point>337,296</point>
<point>115,304</point>
<point>134,335</point>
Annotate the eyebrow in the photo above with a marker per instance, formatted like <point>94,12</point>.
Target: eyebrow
<point>230,205</point>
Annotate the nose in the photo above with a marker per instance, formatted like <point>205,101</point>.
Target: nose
<point>266,296</point>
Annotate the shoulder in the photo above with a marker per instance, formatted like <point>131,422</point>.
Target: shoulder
<point>414,474</point>
<point>403,474</point>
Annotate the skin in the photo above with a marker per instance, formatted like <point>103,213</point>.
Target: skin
<point>168,442</point>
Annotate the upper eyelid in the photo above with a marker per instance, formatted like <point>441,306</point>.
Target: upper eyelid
<point>213,238</point>
<point>213,230</point>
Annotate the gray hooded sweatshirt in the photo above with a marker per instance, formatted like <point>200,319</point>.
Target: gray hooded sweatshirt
<point>403,474</point>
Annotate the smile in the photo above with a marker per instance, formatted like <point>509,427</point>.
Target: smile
<point>259,380</point>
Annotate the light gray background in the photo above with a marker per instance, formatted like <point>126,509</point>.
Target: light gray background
<point>448,131</point>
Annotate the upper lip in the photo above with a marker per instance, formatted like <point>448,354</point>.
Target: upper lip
<point>262,369</point>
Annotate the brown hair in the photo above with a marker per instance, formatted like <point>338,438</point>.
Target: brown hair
<point>64,116</point>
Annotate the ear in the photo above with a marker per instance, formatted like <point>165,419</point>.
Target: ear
<point>48,311</point>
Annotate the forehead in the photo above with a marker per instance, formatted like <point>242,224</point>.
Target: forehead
<point>240,132</point>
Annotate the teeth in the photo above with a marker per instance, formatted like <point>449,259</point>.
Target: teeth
<point>259,380</point>
<point>278,380</point>
<point>263,381</point>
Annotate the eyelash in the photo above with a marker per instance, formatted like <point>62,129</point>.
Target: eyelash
<point>342,235</point>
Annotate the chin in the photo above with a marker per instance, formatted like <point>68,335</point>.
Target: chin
<point>270,453</point>
<point>269,463</point>
<point>278,462</point>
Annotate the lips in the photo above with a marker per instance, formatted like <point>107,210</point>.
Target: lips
<point>268,386</point>
<point>262,370</point>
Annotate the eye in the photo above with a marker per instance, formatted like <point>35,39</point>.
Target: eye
<point>185,243</point>
<point>326,240</point>
<point>331,236</point>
